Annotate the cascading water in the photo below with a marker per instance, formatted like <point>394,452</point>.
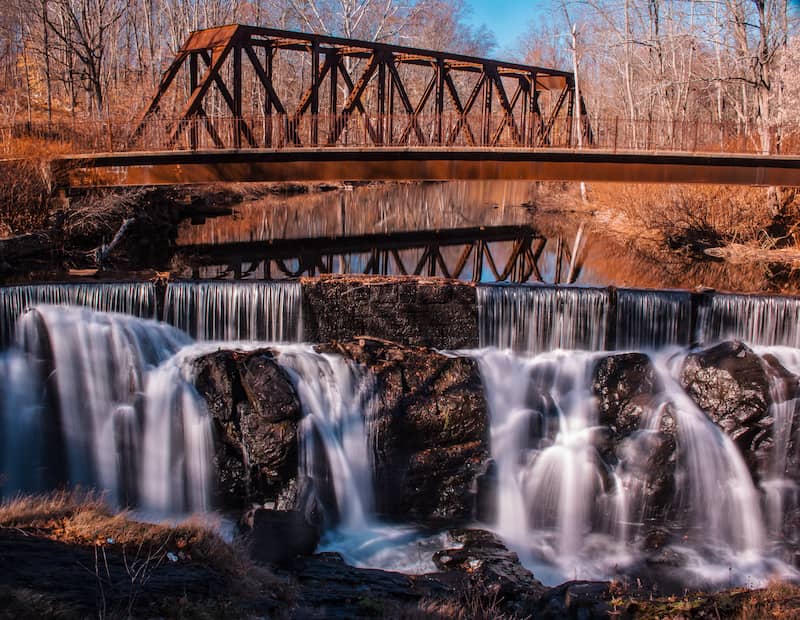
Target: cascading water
<point>563,502</point>
<point>782,495</point>
<point>134,298</point>
<point>21,432</point>
<point>757,320</point>
<point>647,320</point>
<point>266,311</point>
<point>539,318</point>
<point>336,398</point>
<point>130,423</point>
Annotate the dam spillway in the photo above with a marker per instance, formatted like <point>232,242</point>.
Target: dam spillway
<point>127,405</point>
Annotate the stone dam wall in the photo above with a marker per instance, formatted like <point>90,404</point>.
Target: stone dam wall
<point>441,313</point>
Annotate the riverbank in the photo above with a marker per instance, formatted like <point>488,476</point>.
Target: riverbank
<point>69,556</point>
<point>723,237</point>
<point>116,231</point>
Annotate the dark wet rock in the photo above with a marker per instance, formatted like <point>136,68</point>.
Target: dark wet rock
<point>330,588</point>
<point>65,573</point>
<point>255,410</point>
<point>729,382</point>
<point>491,571</point>
<point>430,428</point>
<point>642,447</point>
<point>582,600</point>
<point>486,488</point>
<point>277,537</point>
<point>625,386</point>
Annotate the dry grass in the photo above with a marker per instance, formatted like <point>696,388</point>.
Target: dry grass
<point>779,600</point>
<point>84,519</point>
<point>26,185</point>
<point>664,212</point>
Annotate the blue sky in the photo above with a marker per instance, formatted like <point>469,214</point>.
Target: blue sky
<point>506,18</point>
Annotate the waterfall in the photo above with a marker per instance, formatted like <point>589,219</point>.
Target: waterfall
<point>134,298</point>
<point>21,432</point>
<point>782,495</point>
<point>542,318</point>
<point>563,501</point>
<point>647,320</point>
<point>336,447</point>
<point>130,423</point>
<point>266,311</point>
<point>336,397</point>
<point>757,320</point>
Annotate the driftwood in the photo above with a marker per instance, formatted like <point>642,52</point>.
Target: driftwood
<point>739,254</point>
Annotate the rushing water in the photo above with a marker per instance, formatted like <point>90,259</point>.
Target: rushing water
<point>649,319</point>
<point>533,318</point>
<point>759,320</point>
<point>537,318</point>
<point>572,513</point>
<point>107,400</point>
<point>338,399</point>
<point>130,422</point>
<point>134,298</point>
<point>265,311</point>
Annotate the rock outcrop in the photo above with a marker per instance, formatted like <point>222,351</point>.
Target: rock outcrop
<point>639,437</point>
<point>430,428</point>
<point>255,410</point>
<point>729,382</point>
<point>431,312</point>
<point>491,571</point>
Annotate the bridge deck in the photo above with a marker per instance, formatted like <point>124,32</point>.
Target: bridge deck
<point>431,163</point>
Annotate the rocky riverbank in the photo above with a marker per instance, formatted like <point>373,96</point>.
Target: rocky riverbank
<point>120,232</point>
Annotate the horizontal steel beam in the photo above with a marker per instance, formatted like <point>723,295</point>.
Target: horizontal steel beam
<point>353,244</point>
<point>420,164</point>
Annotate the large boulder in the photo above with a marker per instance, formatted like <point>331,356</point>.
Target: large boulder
<point>639,437</point>
<point>729,382</point>
<point>430,428</point>
<point>491,571</point>
<point>255,411</point>
<point>277,537</point>
<point>625,386</point>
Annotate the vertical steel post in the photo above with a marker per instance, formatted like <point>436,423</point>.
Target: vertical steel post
<point>440,69</point>
<point>314,93</point>
<point>486,125</point>
<point>333,105</point>
<point>237,95</point>
<point>193,77</point>
<point>381,99</point>
<point>268,101</point>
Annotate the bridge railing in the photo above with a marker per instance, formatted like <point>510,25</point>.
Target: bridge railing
<point>360,131</point>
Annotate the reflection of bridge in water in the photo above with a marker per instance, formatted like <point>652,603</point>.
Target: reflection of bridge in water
<point>479,254</point>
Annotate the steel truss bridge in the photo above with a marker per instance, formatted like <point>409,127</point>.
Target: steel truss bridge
<point>259,104</point>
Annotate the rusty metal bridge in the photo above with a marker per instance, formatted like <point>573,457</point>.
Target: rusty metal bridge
<point>243,103</point>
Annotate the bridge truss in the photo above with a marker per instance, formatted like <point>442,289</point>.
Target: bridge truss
<point>247,87</point>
